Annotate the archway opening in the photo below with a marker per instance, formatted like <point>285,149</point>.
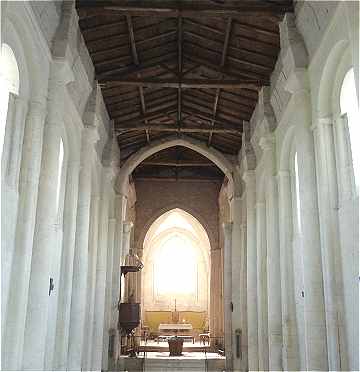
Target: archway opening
<point>176,274</point>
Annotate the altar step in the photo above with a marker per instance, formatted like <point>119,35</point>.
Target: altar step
<point>173,365</point>
<point>161,362</point>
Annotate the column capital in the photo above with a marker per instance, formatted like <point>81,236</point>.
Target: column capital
<point>127,226</point>
<point>227,226</point>
<point>267,142</point>
<point>249,177</point>
<point>90,134</point>
<point>283,174</point>
<point>322,121</point>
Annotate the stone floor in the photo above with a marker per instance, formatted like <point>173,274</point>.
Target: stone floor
<point>160,361</point>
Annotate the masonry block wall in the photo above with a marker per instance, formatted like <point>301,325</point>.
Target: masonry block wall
<point>153,198</point>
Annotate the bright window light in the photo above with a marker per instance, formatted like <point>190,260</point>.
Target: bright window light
<point>60,166</point>
<point>350,106</point>
<point>9,83</point>
<point>297,191</point>
<point>176,264</point>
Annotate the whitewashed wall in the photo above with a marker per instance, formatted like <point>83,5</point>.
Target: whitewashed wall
<point>317,282</point>
<point>58,99</point>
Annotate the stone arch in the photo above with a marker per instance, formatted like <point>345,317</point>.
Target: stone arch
<point>140,237</point>
<point>336,65</point>
<point>33,73</point>
<point>134,160</point>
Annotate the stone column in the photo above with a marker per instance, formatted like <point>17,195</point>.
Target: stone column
<point>329,230</point>
<point>44,240</point>
<point>273,256</point>
<point>108,299</point>
<point>236,272</point>
<point>315,325</point>
<point>290,350</point>
<point>215,295</point>
<point>120,209</point>
<point>10,169</point>
<point>253,358</point>
<point>99,312</point>
<point>228,227</point>
<point>80,267</point>
<point>12,344</point>
<point>243,293</point>
<point>262,286</point>
<point>348,220</point>
<point>67,260</point>
<point>91,281</point>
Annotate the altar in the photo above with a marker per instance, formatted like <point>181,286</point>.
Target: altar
<point>182,330</point>
<point>176,328</point>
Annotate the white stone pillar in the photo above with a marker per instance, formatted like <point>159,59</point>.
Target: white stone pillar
<point>119,209</point>
<point>274,277</point>
<point>262,286</point>
<point>127,227</point>
<point>67,260</point>
<point>236,272</point>
<point>44,241</point>
<point>243,295</point>
<point>99,312</point>
<point>290,349</point>
<point>215,295</point>
<point>348,219</point>
<point>272,256</point>
<point>315,325</point>
<point>10,170</point>
<point>228,227</point>
<point>329,231</point>
<point>253,357</point>
<point>80,267</point>
<point>12,345</point>
<point>108,299</point>
<point>91,281</point>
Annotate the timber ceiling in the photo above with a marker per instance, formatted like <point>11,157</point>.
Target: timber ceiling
<point>183,66</point>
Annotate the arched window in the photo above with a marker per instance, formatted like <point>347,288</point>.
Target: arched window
<point>349,106</point>
<point>60,167</point>
<point>9,83</point>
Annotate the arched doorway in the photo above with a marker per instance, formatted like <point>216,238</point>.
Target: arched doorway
<point>176,274</point>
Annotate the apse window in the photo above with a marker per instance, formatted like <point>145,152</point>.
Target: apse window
<point>176,267</point>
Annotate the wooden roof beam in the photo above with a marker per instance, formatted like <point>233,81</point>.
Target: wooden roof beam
<point>222,64</point>
<point>184,83</point>
<point>180,60</point>
<point>171,128</point>
<point>196,8</point>
<point>178,163</point>
<point>136,62</point>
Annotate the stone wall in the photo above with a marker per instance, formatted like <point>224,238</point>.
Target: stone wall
<point>157,197</point>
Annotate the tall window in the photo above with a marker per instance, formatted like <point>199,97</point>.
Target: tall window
<point>9,83</point>
<point>349,105</point>
<point>60,167</point>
